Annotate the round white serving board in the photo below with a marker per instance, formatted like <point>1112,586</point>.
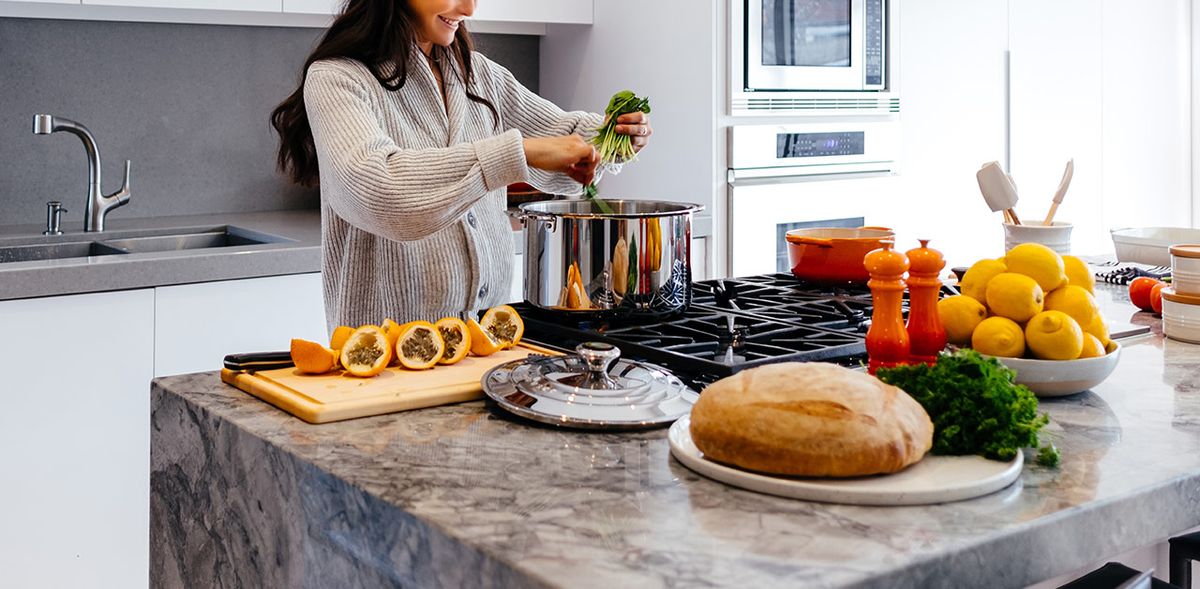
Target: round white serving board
<point>935,479</point>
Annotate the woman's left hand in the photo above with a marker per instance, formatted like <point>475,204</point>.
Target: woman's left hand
<point>637,126</point>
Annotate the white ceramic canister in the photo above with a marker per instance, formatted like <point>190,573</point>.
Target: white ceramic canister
<point>1185,269</point>
<point>1056,237</point>
<point>1181,316</point>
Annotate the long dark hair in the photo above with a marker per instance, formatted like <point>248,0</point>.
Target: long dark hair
<point>380,34</point>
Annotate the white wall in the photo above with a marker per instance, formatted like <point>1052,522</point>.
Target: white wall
<point>665,50</point>
<point>1107,84</point>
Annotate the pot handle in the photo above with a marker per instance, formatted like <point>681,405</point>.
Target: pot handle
<point>525,217</point>
<point>804,240</point>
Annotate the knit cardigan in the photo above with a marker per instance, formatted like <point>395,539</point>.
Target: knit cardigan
<point>413,221</point>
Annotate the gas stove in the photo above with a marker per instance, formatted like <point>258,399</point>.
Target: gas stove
<point>732,324</point>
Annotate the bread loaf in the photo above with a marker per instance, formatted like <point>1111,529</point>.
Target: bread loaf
<point>810,419</point>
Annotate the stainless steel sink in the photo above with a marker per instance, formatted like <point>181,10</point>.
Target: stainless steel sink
<point>131,242</point>
<point>55,251</point>
<point>225,236</point>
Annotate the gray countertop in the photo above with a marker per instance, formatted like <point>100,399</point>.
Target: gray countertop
<point>462,495</point>
<point>299,253</point>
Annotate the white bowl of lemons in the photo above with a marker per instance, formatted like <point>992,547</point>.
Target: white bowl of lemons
<point>1056,378</point>
<point>1034,310</point>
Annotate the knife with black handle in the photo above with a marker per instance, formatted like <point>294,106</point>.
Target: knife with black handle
<point>251,361</point>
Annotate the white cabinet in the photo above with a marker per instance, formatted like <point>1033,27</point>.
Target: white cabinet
<point>196,325</point>
<point>517,289</point>
<point>545,11</point>
<point>700,265</point>
<point>75,433</point>
<point>313,6</point>
<point>247,5</point>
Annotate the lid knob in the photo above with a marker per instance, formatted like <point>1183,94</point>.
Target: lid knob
<point>598,356</point>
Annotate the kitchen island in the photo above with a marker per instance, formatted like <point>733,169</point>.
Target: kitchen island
<point>243,494</point>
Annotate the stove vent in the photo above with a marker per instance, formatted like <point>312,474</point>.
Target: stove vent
<point>783,105</point>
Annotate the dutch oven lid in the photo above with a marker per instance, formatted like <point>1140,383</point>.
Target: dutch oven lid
<point>594,389</point>
<point>608,209</point>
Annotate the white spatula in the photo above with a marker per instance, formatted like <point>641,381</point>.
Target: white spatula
<point>998,190</point>
<point>1061,192</point>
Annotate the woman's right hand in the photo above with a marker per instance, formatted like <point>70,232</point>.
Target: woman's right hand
<point>568,154</point>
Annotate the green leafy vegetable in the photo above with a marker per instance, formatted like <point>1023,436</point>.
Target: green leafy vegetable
<point>975,404</point>
<point>1048,456</point>
<point>612,147</point>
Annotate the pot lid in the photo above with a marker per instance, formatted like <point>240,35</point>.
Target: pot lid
<point>594,388</point>
<point>1186,250</point>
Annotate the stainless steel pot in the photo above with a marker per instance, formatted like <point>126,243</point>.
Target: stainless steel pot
<point>608,258</point>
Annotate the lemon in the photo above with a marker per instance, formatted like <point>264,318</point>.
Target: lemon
<point>1092,348</point>
<point>1039,263</point>
<point>1054,335</point>
<point>1078,274</point>
<point>1015,296</point>
<point>997,336</point>
<point>975,281</point>
<point>1098,329</point>
<point>1075,301</point>
<point>960,314</point>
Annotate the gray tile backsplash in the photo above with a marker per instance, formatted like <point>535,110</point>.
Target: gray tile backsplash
<point>189,104</point>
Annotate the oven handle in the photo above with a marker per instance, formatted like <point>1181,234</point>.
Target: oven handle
<point>760,177</point>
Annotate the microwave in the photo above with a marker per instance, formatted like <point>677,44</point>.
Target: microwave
<point>804,56</point>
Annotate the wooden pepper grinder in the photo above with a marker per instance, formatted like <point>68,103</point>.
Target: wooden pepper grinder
<point>887,340</point>
<point>926,335</point>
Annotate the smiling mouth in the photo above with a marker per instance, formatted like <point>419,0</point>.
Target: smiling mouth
<point>450,23</point>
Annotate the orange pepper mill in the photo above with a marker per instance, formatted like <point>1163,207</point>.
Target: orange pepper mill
<point>887,339</point>
<point>926,335</point>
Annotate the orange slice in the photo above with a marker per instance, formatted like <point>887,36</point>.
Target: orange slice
<point>311,357</point>
<point>456,337</point>
<point>366,352</point>
<point>340,335</point>
<point>504,324</point>
<point>420,346</point>
<point>482,342</point>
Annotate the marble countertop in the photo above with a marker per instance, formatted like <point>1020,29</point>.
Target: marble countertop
<point>463,493</point>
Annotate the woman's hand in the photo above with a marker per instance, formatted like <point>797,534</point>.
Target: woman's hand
<point>568,154</point>
<point>637,126</point>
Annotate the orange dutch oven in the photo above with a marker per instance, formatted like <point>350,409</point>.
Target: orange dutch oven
<point>834,254</point>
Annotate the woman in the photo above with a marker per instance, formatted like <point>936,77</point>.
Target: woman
<point>413,138</point>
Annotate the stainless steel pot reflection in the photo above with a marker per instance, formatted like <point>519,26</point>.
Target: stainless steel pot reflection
<point>607,258</point>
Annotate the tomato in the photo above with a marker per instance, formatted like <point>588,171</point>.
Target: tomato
<point>1139,292</point>
<point>1156,297</point>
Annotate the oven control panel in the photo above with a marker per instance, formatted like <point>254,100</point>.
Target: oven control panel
<point>794,145</point>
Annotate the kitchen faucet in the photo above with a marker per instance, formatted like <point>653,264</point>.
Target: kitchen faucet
<point>98,205</point>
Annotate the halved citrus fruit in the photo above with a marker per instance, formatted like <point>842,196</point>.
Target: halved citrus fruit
<point>504,324</point>
<point>392,330</point>
<point>366,352</point>
<point>340,335</point>
<point>456,337</point>
<point>311,357</point>
<point>420,346</point>
<point>482,342</point>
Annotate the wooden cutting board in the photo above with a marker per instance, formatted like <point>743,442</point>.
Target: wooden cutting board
<point>323,398</point>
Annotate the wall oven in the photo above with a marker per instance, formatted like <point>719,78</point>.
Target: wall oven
<point>801,56</point>
<point>784,177</point>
